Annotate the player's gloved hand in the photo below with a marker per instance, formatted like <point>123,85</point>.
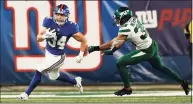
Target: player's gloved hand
<point>49,34</point>
<point>108,52</point>
<point>79,57</point>
<point>93,48</point>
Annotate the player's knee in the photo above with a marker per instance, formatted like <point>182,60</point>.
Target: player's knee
<point>119,64</point>
<point>53,76</point>
<point>39,70</point>
<point>157,66</point>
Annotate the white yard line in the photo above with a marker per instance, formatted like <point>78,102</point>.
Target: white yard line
<point>161,93</point>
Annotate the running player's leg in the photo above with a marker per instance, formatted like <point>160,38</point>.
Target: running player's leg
<point>132,58</point>
<point>49,63</point>
<point>156,63</point>
<point>55,74</point>
<point>61,76</point>
<point>34,82</point>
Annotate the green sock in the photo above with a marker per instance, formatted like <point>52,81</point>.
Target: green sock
<point>125,76</point>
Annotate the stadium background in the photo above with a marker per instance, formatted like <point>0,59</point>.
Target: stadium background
<point>20,53</point>
<point>168,32</point>
<point>163,19</point>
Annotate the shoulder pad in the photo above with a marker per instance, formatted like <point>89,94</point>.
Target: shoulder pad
<point>48,17</point>
<point>71,22</point>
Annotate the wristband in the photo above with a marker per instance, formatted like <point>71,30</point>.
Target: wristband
<point>97,48</point>
<point>81,53</point>
<point>114,49</point>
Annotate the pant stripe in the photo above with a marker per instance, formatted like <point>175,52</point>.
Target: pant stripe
<point>138,54</point>
<point>55,64</point>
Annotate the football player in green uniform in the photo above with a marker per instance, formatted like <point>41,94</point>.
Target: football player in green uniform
<point>131,29</point>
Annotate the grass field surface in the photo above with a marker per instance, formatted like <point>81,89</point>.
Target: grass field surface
<point>98,95</point>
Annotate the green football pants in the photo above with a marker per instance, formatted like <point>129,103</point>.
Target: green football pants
<point>151,55</point>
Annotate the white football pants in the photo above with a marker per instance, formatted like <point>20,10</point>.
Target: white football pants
<point>51,65</point>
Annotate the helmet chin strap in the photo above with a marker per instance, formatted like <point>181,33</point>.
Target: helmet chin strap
<point>61,23</point>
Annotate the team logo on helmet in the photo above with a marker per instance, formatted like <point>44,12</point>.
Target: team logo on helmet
<point>61,14</point>
<point>62,9</point>
<point>122,15</point>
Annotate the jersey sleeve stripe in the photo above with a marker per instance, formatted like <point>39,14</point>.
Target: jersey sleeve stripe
<point>125,33</point>
<point>126,30</point>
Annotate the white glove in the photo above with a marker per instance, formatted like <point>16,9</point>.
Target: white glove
<point>49,34</point>
<point>79,58</point>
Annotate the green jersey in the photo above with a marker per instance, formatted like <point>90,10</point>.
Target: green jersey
<point>136,33</point>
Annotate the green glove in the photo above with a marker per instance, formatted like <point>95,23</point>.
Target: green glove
<point>93,48</point>
<point>110,52</point>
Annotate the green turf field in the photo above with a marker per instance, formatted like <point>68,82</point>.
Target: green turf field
<point>158,99</point>
<point>142,94</point>
<point>99,97</point>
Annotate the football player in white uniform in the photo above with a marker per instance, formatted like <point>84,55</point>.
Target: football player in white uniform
<point>131,29</point>
<point>57,31</point>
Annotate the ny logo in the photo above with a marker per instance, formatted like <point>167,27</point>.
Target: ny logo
<point>23,36</point>
<point>148,18</point>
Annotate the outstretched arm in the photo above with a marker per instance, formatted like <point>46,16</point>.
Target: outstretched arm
<point>117,42</point>
<point>106,46</point>
<point>79,37</point>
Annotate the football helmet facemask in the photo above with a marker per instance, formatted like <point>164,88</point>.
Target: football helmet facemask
<point>61,14</point>
<point>122,15</point>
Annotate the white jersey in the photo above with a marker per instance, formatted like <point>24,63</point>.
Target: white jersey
<point>136,33</point>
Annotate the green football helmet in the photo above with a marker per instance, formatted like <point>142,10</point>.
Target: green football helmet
<point>122,15</point>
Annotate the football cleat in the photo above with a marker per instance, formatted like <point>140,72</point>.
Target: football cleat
<point>123,91</point>
<point>78,84</point>
<point>23,96</point>
<point>185,87</point>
